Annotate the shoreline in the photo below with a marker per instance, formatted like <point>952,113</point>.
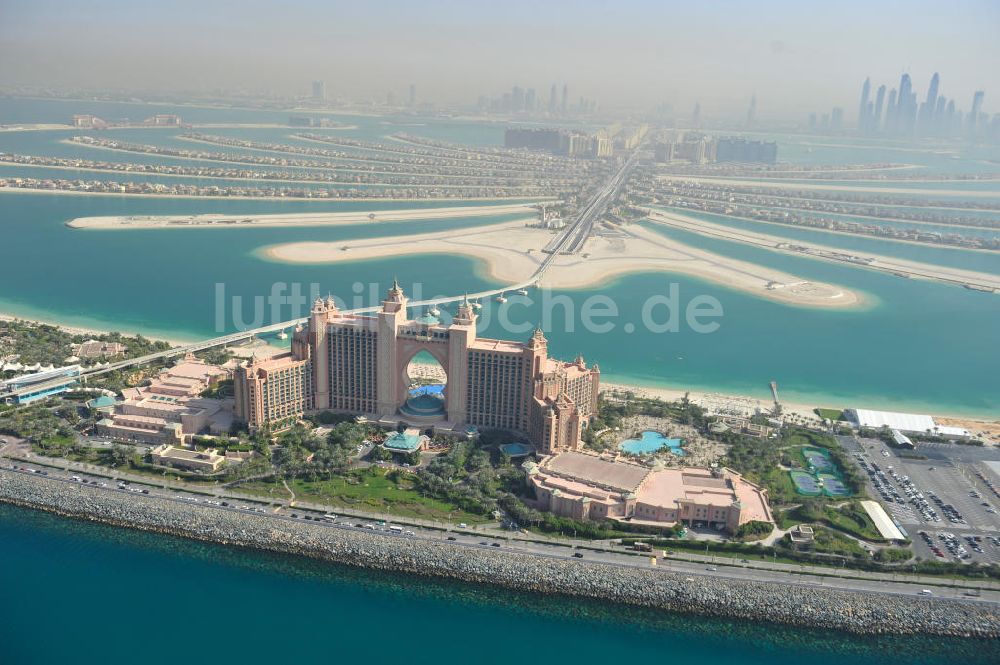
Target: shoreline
<point>974,421</point>
<point>318,183</point>
<point>799,604</point>
<point>663,391</point>
<point>297,199</point>
<point>676,210</point>
<point>74,329</point>
<point>511,253</point>
<point>906,268</point>
<point>216,220</point>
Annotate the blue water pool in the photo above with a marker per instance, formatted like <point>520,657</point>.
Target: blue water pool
<point>517,449</point>
<point>433,389</point>
<point>650,442</point>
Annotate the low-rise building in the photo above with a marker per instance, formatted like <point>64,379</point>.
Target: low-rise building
<point>203,461</point>
<point>171,408</point>
<point>407,441</point>
<point>94,348</point>
<point>38,385</point>
<point>585,486</point>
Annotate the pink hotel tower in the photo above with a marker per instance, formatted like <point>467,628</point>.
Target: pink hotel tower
<point>357,364</point>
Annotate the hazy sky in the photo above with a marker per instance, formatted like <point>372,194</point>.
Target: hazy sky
<point>796,56</point>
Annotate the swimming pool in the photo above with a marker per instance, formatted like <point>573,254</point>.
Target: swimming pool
<point>517,449</point>
<point>650,442</point>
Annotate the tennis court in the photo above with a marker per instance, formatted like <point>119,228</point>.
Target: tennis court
<point>805,484</point>
<point>817,458</point>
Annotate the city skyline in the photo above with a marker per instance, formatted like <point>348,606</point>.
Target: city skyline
<point>782,54</point>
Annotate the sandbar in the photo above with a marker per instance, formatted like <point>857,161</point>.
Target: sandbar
<point>292,219</point>
<point>896,266</point>
<point>512,254</point>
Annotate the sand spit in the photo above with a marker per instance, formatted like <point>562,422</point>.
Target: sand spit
<point>293,219</point>
<point>512,253</point>
<point>900,267</point>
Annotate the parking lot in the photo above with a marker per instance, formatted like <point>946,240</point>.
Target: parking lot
<point>945,505</point>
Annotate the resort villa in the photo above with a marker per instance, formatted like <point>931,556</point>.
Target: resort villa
<point>585,486</point>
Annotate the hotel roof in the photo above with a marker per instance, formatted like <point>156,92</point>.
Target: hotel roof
<point>484,344</point>
<point>591,469</point>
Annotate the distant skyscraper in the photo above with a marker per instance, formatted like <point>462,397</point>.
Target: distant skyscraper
<point>530,102</point>
<point>752,112</point>
<point>925,120</point>
<point>866,90</point>
<point>940,124</point>
<point>890,111</point>
<point>932,92</point>
<point>553,102</point>
<point>319,91</point>
<point>906,106</point>
<point>565,98</point>
<point>875,122</point>
<point>517,99</point>
<point>977,107</point>
<point>413,95</point>
<point>696,116</point>
<point>836,119</point>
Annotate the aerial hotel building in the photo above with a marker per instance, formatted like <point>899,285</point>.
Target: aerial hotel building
<point>586,486</point>
<point>357,364</point>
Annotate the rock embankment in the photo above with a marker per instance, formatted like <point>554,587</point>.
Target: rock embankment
<point>850,611</point>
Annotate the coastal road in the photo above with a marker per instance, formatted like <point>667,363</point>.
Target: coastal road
<point>457,537</point>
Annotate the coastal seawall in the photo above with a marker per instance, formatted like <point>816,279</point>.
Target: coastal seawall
<point>655,588</point>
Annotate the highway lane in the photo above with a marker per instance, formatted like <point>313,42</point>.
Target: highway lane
<point>722,568</point>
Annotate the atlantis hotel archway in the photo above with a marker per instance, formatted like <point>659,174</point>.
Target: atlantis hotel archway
<point>358,364</point>
<point>425,382</point>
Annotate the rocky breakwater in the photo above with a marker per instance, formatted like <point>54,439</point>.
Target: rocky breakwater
<point>850,611</point>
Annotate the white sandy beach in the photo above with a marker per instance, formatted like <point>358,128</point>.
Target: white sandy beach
<point>512,253</point>
<point>801,409</point>
<point>84,330</point>
<point>880,262</point>
<point>294,219</point>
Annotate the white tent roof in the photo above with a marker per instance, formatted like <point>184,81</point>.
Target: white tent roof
<point>882,521</point>
<point>904,422</point>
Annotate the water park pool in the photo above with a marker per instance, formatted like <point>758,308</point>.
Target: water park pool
<point>650,442</point>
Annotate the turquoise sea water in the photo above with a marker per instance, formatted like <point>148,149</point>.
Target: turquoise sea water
<point>915,345</point>
<point>85,593</point>
<point>650,442</point>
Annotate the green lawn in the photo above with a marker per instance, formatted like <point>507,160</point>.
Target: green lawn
<point>851,519</point>
<point>779,486</point>
<point>831,414</point>
<point>367,492</point>
<point>828,541</point>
